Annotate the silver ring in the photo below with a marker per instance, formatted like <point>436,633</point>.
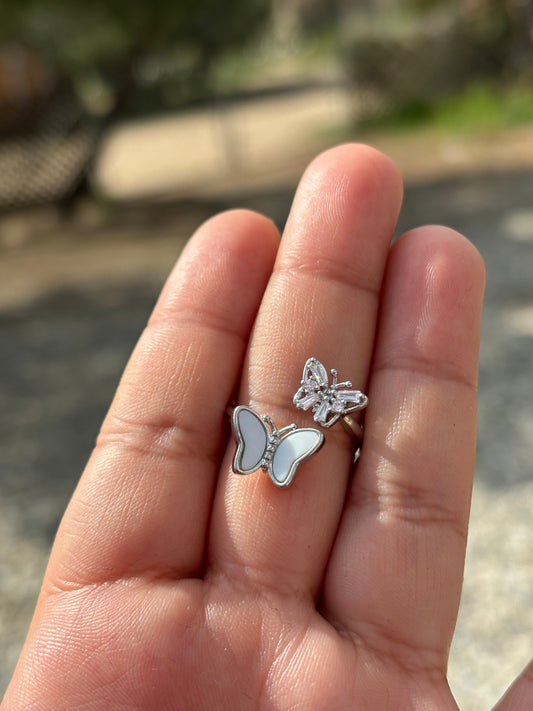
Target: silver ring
<point>356,431</point>
<point>330,402</point>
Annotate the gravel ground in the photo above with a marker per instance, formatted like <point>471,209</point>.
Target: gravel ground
<point>494,633</point>
<point>63,347</point>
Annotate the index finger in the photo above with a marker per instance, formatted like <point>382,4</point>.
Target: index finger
<point>143,502</point>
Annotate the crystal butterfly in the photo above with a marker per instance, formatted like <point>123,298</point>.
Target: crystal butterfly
<point>261,445</point>
<point>328,402</point>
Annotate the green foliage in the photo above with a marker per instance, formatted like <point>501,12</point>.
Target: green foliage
<point>93,30</point>
<point>486,106</point>
<point>428,5</point>
<point>479,106</point>
<point>84,38</point>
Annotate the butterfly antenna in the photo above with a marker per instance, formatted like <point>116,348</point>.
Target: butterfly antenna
<point>268,421</point>
<point>288,428</point>
<point>347,384</point>
<point>334,374</point>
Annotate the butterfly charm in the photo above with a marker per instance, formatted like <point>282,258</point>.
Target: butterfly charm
<point>261,445</point>
<point>328,402</point>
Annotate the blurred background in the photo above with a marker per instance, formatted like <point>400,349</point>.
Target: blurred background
<point>124,124</point>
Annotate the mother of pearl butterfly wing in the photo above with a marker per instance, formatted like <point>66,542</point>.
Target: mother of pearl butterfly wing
<point>252,440</point>
<point>293,449</point>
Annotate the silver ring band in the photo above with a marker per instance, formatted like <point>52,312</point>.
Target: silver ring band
<point>355,430</point>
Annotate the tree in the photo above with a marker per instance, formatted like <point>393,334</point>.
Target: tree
<point>111,39</point>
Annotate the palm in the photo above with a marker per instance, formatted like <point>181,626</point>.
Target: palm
<point>176,584</point>
<point>270,653</point>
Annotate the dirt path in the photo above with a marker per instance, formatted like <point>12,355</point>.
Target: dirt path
<point>259,143</point>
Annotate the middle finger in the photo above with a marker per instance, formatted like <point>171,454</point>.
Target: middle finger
<point>321,301</point>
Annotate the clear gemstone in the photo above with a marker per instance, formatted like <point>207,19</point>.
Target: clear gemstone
<point>322,412</point>
<point>318,372</point>
<point>353,396</point>
<point>337,406</point>
<point>308,401</point>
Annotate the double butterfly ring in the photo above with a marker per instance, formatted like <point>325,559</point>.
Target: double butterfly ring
<point>260,445</point>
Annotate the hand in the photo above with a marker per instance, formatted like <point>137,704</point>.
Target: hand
<point>176,584</point>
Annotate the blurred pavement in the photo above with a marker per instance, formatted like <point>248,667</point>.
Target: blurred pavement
<point>74,297</point>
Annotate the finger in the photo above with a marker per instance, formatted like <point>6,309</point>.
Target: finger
<point>519,696</point>
<point>321,301</point>
<point>395,574</point>
<point>143,502</point>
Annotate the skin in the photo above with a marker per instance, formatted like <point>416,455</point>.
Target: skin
<point>176,584</point>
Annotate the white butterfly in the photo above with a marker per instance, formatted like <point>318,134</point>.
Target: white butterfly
<point>279,452</point>
<point>328,402</point>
